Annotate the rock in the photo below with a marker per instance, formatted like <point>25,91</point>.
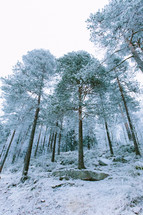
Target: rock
<point>67,162</point>
<point>139,165</point>
<point>63,185</point>
<point>64,178</point>
<point>81,174</point>
<point>127,148</point>
<point>104,162</point>
<point>120,159</point>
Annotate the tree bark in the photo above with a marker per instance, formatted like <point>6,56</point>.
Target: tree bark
<point>54,148</point>
<point>2,151</point>
<point>109,139</point>
<point>106,127</point>
<point>88,144</point>
<point>80,148</point>
<point>49,140</point>
<point>15,150</point>
<point>126,124</point>
<point>28,153</point>
<point>135,55</point>
<point>22,141</point>
<point>124,132</point>
<point>6,154</point>
<point>129,119</point>
<point>51,143</point>
<point>59,143</point>
<point>38,142</point>
<point>45,138</point>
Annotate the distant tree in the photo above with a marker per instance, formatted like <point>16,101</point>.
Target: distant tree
<point>38,141</point>
<point>70,139</point>
<point>7,151</point>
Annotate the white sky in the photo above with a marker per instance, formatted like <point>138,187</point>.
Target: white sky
<point>56,25</point>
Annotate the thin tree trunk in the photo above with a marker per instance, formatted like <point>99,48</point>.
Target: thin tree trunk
<point>51,143</point>
<point>60,136</point>
<point>49,140</point>
<point>126,124</point>
<point>129,119</point>
<point>59,143</point>
<point>6,154</point>
<point>135,55</point>
<point>28,153</point>
<point>88,144</point>
<point>141,137</point>
<point>22,141</point>
<point>2,150</point>
<point>109,139</point>
<point>125,133</point>
<point>45,138</point>
<point>106,127</point>
<point>54,148</point>
<point>15,150</point>
<point>38,142</point>
<point>80,148</point>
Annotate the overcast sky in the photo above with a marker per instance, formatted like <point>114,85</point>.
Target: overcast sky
<point>56,25</point>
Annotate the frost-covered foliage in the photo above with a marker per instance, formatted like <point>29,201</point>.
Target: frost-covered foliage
<point>29,79</point>
<point>84,104</point>
<point>119,27</point>
<point>118,20</point>
<point>76,112</point>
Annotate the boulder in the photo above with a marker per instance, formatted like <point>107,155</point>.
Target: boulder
<point>80,174</point>
<point>120,159</point>
<point>104,162</point>
<point>67,162</point>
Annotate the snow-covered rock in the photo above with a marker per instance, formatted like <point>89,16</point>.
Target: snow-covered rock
<point>120,159</point>
<point>81,174</point>
<point>104,162</point>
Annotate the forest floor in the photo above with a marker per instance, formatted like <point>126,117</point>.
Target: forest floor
<point>121,193</point>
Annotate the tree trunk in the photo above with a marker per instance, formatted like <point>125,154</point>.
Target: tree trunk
<point>45,138</point>
<point>3,162</point>
<point>51,143</point>
<point>129,119</point>
<point>49,140</point>
<point>126,124</point>
<point>2,151</point>
<point>106,127</point>
<point>125,133</point>
<point>109,139</point>
<point>135,55</point>
<point>80,148</point>
<point>15,150</point>
<point>28,153</point>
<point>22,141</point>
<point>59,143</point>
<point>54,148</point>
<point>88,144</point>
<point>38,142</point>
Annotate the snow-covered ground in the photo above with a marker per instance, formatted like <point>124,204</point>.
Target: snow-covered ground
<point>121,193</point>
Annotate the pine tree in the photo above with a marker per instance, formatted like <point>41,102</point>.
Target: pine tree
<point>24,91</point>
<point>79,76</point>
<point>119,27</point>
